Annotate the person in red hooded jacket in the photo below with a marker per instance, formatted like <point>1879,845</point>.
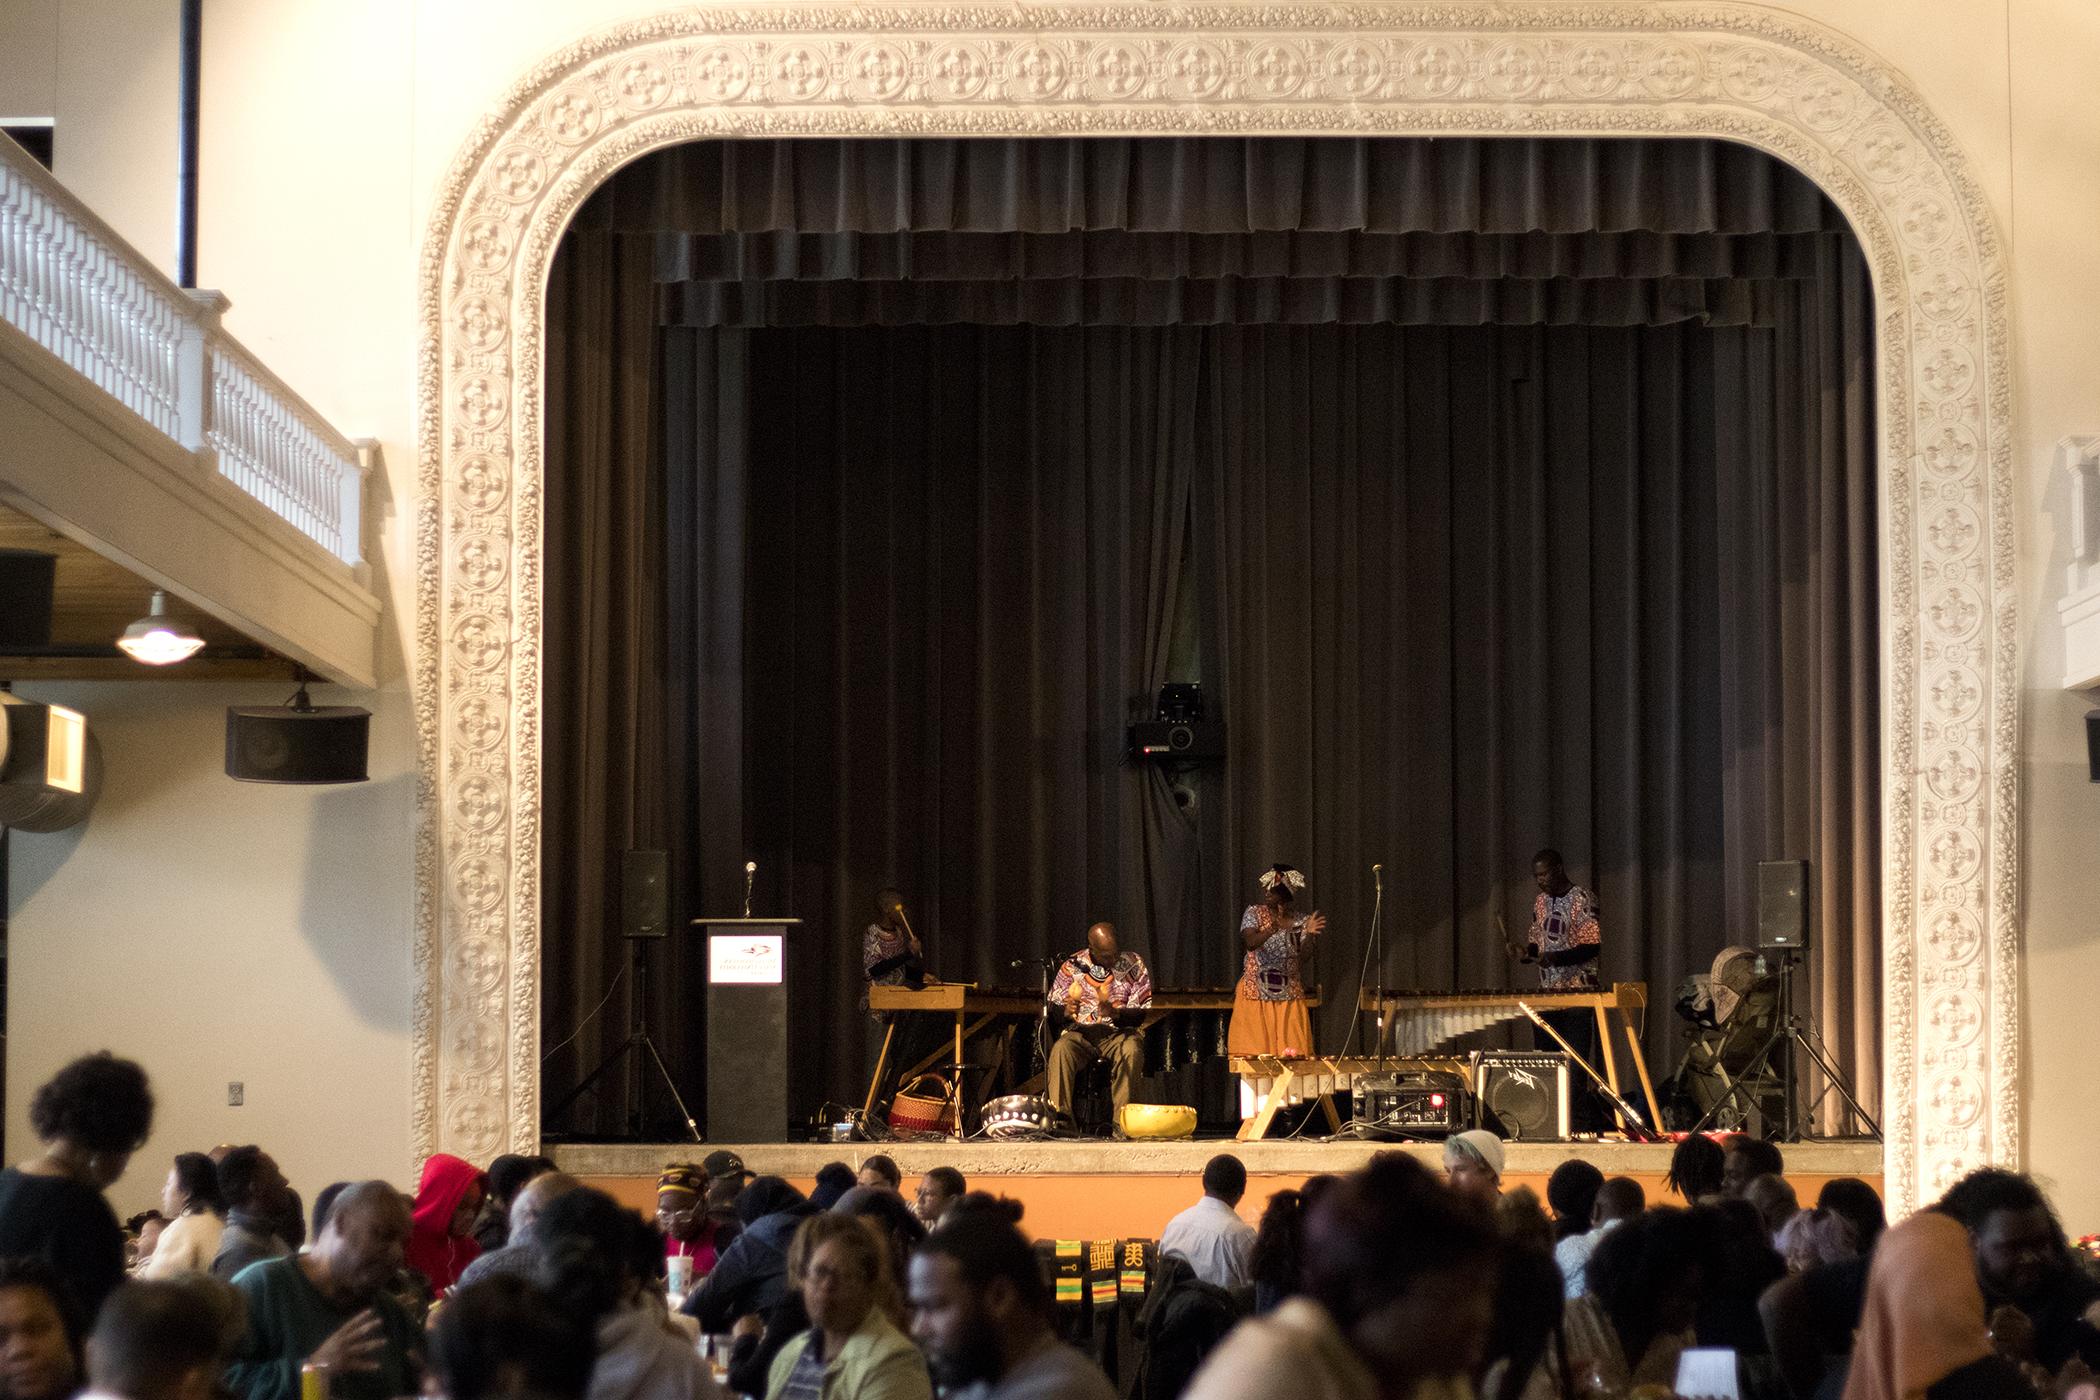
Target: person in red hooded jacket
<point>449,1198</point>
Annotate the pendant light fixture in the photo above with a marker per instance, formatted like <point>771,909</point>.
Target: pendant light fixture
<point>159,640</point>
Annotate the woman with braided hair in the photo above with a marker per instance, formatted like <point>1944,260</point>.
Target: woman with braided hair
<point>1269,1010</point>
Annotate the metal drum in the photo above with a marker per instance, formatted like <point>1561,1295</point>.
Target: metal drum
<point>1019,1116</point>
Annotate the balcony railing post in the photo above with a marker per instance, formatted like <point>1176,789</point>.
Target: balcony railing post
<point>193,368</point>
<point>351,548</point>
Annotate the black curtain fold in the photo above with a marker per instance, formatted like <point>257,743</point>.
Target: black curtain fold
<point>613,703</point>
<point>870,600</point>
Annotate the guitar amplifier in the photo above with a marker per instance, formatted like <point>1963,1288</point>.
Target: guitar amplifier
<point>1412,1103</point>
<point>1523,1093</point>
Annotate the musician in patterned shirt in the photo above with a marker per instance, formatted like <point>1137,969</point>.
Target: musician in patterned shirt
<point>1103,993</point>
<point>1566,940</point>
<point>890,954</point>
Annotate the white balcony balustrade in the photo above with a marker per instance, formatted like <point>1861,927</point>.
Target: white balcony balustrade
<point>71,285</point>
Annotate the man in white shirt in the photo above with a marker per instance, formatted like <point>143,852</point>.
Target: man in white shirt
<point>1618,1200</point>
<point>1210,1234</point>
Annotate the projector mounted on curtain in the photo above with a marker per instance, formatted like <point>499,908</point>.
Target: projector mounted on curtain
<point>1177,732</point>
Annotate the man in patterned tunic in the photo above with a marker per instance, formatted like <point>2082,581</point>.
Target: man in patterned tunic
<point>1566,938</point>
<point>1566,941</point>
<point>1103,993</point>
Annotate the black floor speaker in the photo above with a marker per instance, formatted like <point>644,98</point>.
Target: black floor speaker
<point>1524,1094</point>
<point>1782,904</point>
<point>279,744</point>
<point>645,894</point>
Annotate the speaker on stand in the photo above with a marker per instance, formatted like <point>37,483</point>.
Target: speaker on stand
<point>645,919</point>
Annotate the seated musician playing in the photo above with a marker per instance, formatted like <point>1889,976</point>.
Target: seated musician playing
<point>890,951</point>
<point>1103,994</point>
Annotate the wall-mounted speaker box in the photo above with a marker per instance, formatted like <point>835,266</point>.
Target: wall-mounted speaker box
<point>1782,904</point>
<point>2092,744</point>
<point>26,577</point>
<point>279,744</point>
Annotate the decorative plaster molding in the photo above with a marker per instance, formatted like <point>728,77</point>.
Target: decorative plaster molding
<point>1759,76</point>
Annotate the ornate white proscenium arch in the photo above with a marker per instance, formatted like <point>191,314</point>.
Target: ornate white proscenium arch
<point>1802,93</point>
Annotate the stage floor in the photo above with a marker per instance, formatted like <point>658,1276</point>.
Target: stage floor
<point>1100,1190</point>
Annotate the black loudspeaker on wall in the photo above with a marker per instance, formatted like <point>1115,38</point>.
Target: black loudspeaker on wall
<point>645,894</point>
<point>1782,904</point>
<point>297,743</point>
<point>1524,1093</point>
<point>2092,744</point>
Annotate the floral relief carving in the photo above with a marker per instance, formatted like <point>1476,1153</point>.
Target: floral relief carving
<point>1593,70</point>
<point>1276,70</point>
<point>722,73</point>
<point>1740,72</point>
<point>1670,71</point>
<point>1117,69</point>
<point>1199,69</point>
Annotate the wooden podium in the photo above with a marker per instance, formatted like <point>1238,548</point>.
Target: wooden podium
<point>747,1028</point>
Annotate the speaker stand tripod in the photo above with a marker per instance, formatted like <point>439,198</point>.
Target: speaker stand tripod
<point>1792,1032</point>
<point>638,1051</point>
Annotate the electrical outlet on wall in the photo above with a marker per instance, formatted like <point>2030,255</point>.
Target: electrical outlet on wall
<point>236,1094</point>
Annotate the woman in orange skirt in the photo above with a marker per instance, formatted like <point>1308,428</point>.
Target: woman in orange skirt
<point>1269,1015</point>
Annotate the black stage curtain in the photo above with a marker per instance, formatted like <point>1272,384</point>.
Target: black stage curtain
<point>1459,590</point>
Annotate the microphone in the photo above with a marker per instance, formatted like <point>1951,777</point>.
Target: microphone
<point>1378,877</point>
<point>750,874</point>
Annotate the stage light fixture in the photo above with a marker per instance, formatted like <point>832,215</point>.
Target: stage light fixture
<point>157,639</point>
<point>50,768</point>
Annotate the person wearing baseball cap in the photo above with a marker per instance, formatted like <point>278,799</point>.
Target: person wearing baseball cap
<point>724,1165</point>
<point>690,1231</point>
<point>1473,1165</point>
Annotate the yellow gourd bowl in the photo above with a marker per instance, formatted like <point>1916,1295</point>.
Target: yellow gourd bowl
<point>1157,1120</point>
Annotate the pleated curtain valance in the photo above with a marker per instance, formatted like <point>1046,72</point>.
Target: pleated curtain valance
<point>1210,185</point>
<point>1159,231</point>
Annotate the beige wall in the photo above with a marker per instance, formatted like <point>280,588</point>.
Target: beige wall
<point>328,127</point>
<point>220,931</point>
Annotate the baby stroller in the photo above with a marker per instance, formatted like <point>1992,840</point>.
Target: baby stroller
<point>1731,1011</point>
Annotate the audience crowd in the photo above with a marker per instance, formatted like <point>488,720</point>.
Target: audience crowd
<point>1394,1282</point>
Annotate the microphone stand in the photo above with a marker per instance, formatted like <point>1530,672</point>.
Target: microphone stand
<point>1373,945</point>
<point>1039,1062</point>
<point>1636,1126</point>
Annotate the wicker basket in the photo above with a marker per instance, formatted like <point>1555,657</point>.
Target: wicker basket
<point>926,1105</point>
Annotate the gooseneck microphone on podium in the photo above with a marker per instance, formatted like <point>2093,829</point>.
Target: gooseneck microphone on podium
<point>750,874</point>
